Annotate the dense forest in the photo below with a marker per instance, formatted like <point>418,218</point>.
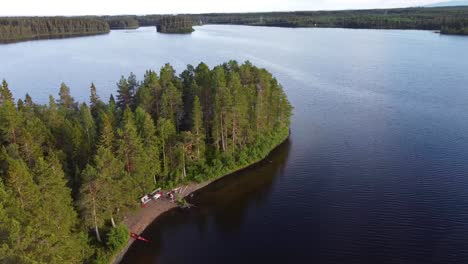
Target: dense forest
<point>70,171</point>
<point>175,24</point>
<point>446,19</point>
<point>400,18</point>
<point>14,29</point>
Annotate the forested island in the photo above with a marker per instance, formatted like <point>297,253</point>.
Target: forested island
<point>13,29</point>
<point>70,171</point>
<point>175,24</point>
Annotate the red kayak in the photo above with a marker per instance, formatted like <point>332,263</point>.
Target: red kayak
<point>138,237</point>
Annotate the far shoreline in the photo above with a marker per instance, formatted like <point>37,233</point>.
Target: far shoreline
<point>139,220</point>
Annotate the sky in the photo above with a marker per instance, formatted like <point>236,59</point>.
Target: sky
<point>140,7</point>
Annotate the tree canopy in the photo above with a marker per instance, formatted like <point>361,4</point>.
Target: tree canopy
<point>70,171</point>
<point>175,24</point>
<point>448,20</point>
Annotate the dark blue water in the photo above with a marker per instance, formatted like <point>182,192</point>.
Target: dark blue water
<point>375,171</point>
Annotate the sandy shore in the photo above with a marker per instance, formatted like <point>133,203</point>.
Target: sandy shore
<point>139,220</point>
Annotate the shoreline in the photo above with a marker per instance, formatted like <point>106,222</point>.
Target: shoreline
<point>53,36</point>
<point>143,217</point>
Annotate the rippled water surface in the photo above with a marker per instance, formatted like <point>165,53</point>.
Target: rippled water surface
<point>375,171</point>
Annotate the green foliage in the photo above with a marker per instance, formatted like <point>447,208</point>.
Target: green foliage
<point>397,18</point>
<point>101,257</point>
<point>117,238</point>
<point>162,132</point>
<point>175,24</point>
<point>449,20</point>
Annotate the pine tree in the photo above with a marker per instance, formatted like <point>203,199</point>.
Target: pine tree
<point>10,121</point>
<point>145,97</point>
<point>206,93</point>
<point>263,97</point>
<point>240,108</point>
<point>147,132</point>
<point>94,98</point>
<point>96,104</point>
<point>28,101</point>
<point>197,128</point>
<point>90,203</point>
<point>171,105</point>
<point>166,132</point>
<point>66,101</point>
<point>222,117</point>
<point>132,87</point>
<point>167,74</point>
<point>89,131</point>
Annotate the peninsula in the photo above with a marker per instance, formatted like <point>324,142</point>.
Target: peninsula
<point>73,172</point>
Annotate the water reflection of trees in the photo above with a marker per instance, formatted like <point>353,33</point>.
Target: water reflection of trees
<point>227,201</point>
<point>220,207</point>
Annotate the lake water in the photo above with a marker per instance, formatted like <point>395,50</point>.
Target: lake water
<point>375,171</point>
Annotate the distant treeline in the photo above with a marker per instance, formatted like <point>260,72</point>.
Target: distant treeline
<point>447,20</point>
<point>450,20</point>
<point>14,29</point>
<point>460,29</point>
<point>402,18</point>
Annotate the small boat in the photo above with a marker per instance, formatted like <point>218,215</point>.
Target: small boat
<point>138,237</point>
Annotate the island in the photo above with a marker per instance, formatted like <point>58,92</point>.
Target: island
<point>14,29</point>
<point>175,24</point>
<point>71,172</point>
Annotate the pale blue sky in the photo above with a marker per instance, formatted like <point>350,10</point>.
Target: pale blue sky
<point>112,7</point>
